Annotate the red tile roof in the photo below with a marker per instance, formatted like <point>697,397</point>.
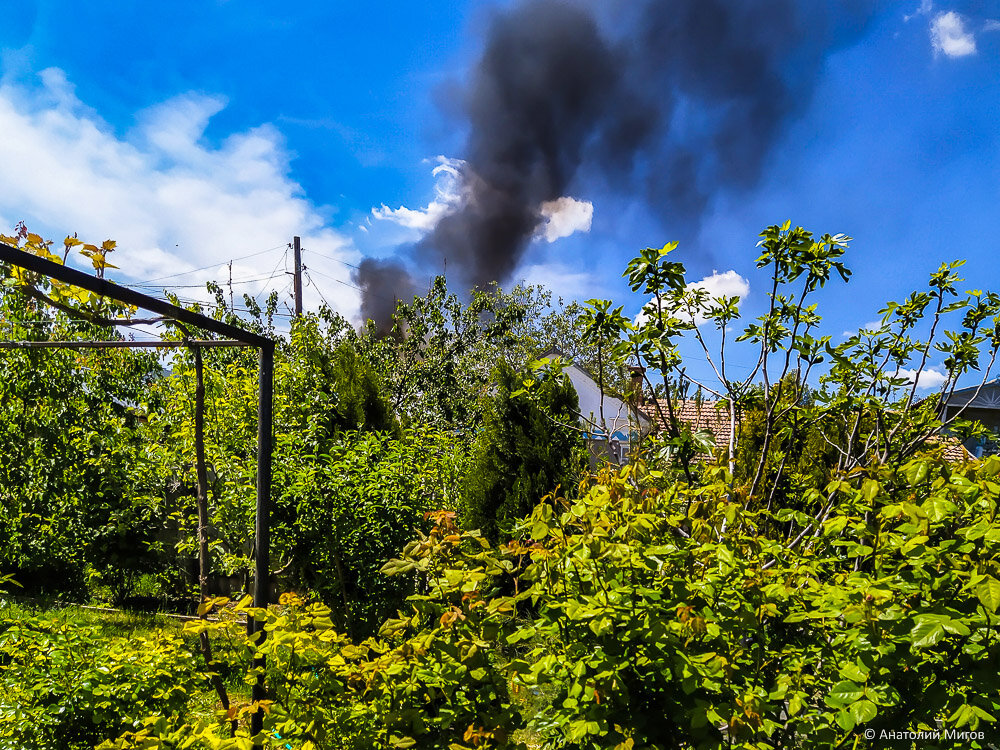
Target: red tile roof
<point>713,417</point>
<point>954,451</point>
<point>703,416</point>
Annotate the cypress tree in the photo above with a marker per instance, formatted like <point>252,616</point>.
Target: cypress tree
<point>526,448</point>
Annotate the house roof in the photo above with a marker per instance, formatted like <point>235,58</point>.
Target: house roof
<point>702,416</point>
<point>619,414</point>
<point>554,351</point>
<point>986,396</point>
<point>707,416</point>
<point>954,450</point>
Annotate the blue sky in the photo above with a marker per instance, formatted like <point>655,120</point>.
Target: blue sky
<point>197,132</point>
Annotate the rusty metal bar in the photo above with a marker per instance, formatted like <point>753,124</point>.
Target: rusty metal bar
<point>208,343</point>
<point>105,288</point>
<point>262,542</point>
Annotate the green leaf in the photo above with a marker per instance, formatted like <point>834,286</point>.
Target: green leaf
<point>853,672</point>
<point>926,633</point>
<point>915,472</point>
<point>870,489</point>
<point>982,714</point>
<point>844,693</point>
<point>988,593</point>
<point>939,508</point>
<point>834,525</point>
<point>962,715</point>
<point>955,627</point>
<point>845,720</point>
<point>794,705</point>
<point>539,530</point>
<point>863,711</point>
<point>600,626</point>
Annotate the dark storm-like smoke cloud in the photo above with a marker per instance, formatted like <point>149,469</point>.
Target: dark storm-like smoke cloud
<point>547,85</point>
<point>672,101</point>
<point>382,283</point>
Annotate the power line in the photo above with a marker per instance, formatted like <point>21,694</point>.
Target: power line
<point>287,289</point>
<point>282,260</point>
<point>202,285</point>
<point>333,278</point>
<point>345,283</point>
<point>352,286</point>
<point>193,301</point>
<point>214,265</point>
<point>335,260</point>
<point>316,287</point>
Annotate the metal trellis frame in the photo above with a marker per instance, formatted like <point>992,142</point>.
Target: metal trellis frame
<point>234,336</point>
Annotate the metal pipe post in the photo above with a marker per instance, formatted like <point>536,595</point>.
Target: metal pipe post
<point>262,545</point>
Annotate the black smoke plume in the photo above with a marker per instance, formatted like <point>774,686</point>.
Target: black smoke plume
<point>382,284</point>
<point>672,101</point>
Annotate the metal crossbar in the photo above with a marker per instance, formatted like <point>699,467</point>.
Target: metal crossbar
<point>123,294</point>
<point>207,343</point>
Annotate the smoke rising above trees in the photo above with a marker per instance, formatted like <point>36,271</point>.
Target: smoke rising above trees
<point>674,103</point>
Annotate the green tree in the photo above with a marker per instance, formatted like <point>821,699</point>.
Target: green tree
<point>327,386</point>
<point>439,358</point>
<point>324,392</point>
<point>350,510</point>
<point>70,437</point>
<point>525,450</point>
<point>802,456</point>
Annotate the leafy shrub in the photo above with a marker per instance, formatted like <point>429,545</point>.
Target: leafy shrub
<point>660,630</point>
<point>657,628</point>
<point>429,683</point>
<point>430,680</point>
<point>352,509</point>
<point>64,685</point>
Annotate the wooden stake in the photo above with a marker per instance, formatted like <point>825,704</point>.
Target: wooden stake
<point>202,491</point>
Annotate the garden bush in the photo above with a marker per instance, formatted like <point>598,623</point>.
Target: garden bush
<point>65,685</point>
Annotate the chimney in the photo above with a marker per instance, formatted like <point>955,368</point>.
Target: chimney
<point>637,394</point>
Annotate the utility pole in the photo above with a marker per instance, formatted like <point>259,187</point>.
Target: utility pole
<point>298,276</point>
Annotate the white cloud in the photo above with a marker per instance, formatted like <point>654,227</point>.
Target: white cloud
<point>449,196</point>
<point>725,284</point>
<point>930,377</point>
<point>564,216</point>
<point>949,36</point>
<point>991,24</point>
<point>925,7</point>
<point>173,202</point>
<point>870,326</point>
<point>563,280</point>
<point>452,191</point>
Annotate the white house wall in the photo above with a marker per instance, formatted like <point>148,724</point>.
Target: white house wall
<point>618,416</point>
